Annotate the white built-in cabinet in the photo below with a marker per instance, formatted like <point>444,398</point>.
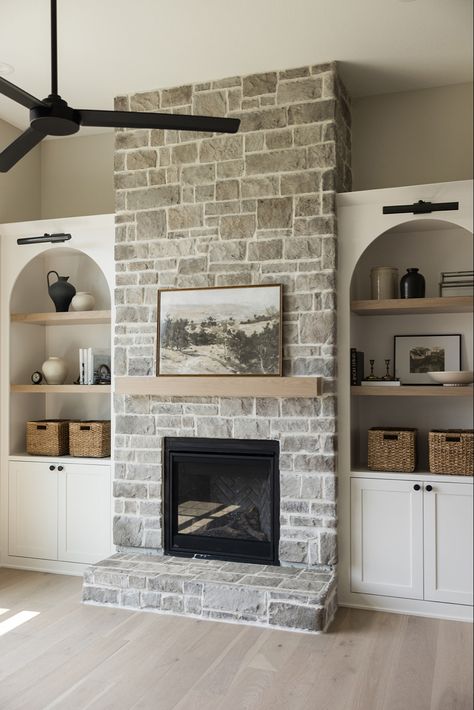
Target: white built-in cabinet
<point>59,510</point>
<point>405,539</point>
<point>55,513</point>
<point>412,539</point>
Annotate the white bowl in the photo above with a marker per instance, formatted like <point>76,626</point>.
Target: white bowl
<point>453,378</point>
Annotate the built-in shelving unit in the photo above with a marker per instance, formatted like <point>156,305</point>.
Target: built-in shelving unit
<point>413,306</point>
<point>221,386</point>
<point>412,391</point>
<point>68,318</point>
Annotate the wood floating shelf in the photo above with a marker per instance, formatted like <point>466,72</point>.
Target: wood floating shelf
<point>220,386</point>
<point>68,318</point>
<point>402,306</point>
<point>62,389</point>
<point>412,391</point>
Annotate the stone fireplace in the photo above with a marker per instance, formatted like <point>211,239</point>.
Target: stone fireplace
<point>194,210</point>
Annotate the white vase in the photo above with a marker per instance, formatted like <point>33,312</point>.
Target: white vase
<point>83,301</point>
<point>55,370</point>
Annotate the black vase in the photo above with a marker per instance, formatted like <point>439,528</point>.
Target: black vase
<point>60,292</point>
<point>412,285</point>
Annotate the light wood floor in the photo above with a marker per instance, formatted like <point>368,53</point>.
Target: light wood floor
<point>72,656</point>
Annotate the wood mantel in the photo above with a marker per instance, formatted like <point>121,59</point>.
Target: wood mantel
<point>220,386</point>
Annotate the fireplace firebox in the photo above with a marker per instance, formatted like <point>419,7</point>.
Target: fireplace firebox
<point>222,499</point>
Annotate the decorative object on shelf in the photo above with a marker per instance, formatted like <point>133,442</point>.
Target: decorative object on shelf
<point>223,331</point>
<point>392,449</point>
<point>374,381</point>
<point>54,370</point>
<point>456,378</point>
<point>60,292</point>
<point>383,282</point>
<point>380,382</point>
<point>371,376</point>
<point>47,437</point>
<point>412,285</point>
<point>357,367</point>
<point>95,366</point>
<point>456,283</point>
<point>83,301</point>
<point>37,377</point>
<point>451,451</point>
<point>387,377</point>
<point>89,438</point>
<point>417,355</point>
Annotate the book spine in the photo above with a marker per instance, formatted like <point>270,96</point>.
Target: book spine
<point>89,366</point>
<point>82,377</point>
<point>360,367</point>
<point>353,367</point>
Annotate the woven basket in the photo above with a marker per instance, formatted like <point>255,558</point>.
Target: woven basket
<point>91,439</point>
<point>392,449</point>
<point>451,451</point>
<point>48,437</point>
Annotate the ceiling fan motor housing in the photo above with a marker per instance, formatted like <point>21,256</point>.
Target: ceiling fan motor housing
<point>55,117</point>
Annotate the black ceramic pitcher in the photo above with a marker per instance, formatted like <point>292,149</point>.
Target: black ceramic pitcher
<point>60,292</point>
<point>412,285</point>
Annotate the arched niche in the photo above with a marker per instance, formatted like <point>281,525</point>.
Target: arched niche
<point>30,291</point>
<point>432,245</point>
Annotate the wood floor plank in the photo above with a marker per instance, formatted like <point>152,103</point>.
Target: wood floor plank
<point>77,657</point>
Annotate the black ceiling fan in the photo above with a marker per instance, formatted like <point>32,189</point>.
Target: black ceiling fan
<point>53,117</point>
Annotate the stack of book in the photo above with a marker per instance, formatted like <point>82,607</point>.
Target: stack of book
<point>94,367</point>
<point>357,367</point>
<point>456,283</point>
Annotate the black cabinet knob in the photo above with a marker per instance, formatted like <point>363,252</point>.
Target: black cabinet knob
<point>60,468</point>
<point>429,488</point>
<point>417,487</point>
<point>52,468</point>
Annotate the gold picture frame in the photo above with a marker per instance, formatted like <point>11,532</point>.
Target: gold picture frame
<point>199,335</point>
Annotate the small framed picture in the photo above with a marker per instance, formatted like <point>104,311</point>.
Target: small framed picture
<point>416,355</point>
<point>229,330</point>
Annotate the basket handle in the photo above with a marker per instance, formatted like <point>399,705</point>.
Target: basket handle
<point>391,437</point>
<point>84,428</point>
<point>41,426</point>
<point>453,438</point>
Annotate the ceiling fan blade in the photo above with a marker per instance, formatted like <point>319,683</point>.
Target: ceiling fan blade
<point>170,121</point>
<point>21,97</point>
<point>20,147</point>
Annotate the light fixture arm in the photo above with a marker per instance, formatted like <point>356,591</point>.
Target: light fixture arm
<point>53,238</point>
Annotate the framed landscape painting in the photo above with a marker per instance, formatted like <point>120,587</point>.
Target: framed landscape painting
<point>416,355</point>
<point>230,330</point>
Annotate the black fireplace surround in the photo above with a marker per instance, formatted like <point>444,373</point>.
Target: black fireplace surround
<point>222,499</point>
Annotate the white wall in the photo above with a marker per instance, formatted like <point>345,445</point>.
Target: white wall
<point>412,138</point>
<point>77,176</point>
<point>20,188</point>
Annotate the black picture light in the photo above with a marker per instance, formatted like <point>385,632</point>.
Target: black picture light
<point>53,238</point>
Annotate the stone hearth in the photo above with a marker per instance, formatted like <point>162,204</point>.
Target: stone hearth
<point>280,597</point>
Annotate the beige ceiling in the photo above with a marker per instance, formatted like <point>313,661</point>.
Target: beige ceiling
<point>110,47</point>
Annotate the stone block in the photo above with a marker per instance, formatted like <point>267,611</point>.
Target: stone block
<point>150,600</point>
<point>210,103</point>
<point>309,89</point>
<point>153,197</point>
<point>130,598</point>
<point>185,217</point>
<point>276,161</point>
<point>228,251</point>
<point>145,101</point>
<point>327,548</point>
<point>173,603</point>
<point>274,213</point>
<point>192,265</point>
<point>254,142</point>
<point>308,206</point>
<point>300,183</point>
<point>100,595</point>
<point>236,600</point>
<point>318,328</point>
<point>129,489</point>
<point>293,551</point>
<point>260,187</point>
<point>301,248</point>
<point>227,190</point>
<point>151,225</point>
<point>238,226</point>
<point>236,407</point>
<point>293,73</point>
<point>309,134</point>
<point>128,531</point>
<point>249,428</point>
<point>271,249</point>
<point>263,119</point>
<point>258,84</point>
<point>322,155</point>
<point>198,174</point>
<point>125,140</point>
<point>230,169</point>
<point>140,159</point>
<point>279,139</point>
<point>184,153</point>
<point>178,96</point>
<point>221,148</point>
<point>312,112</point>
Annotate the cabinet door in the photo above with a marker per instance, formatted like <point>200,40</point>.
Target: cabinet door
<point>448,533</point>
<point>387,537</point>
<point>33,510</point>
<point>84,512</point>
